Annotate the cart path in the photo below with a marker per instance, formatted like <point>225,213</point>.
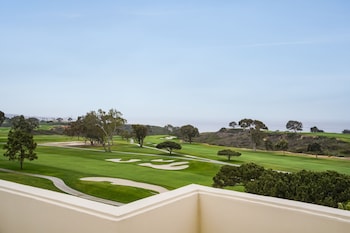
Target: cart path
<point>63,187</point>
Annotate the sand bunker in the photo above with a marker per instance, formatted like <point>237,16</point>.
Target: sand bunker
<point>169,138</point>
<point>162,160</point>
<point>64,144</point>
<point>123,182</point>
<point>125,161</point>
<point>170,166</point>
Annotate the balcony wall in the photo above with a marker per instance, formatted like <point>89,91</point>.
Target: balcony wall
<point>191,209</point>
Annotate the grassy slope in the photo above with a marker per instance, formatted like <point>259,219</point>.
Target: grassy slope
<point>269,159</point>
<point>343,137</point>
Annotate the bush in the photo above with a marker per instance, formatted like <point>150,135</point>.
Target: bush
<point>327,188</point>
<point>346,131</point>
<point>232,175</point>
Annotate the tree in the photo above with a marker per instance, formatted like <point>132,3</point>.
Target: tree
<point>232,124</point>
<point>254,127</point>
<point>34,122</point>
<point>268,144</point>
<point>2,117</point>
<point>314,148</point>
<point>229,153</point>
<point>98,127</point>
<point>294,125</point>
<point>109,122</point>
<point>169,146</point>
<point>20,143</point>
<point>245,123</point>
<point>75,128</point>
<point>346,131</point>
<point>90,128</point>
<point>60,119</point>
<point>282,145</point>
<point>126,135</point>
<point>315,130</point>
<point>189,132</point>
<point>139,132</point>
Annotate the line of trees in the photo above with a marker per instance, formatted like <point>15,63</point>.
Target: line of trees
<point>327,188</point>
<point>100,127</point>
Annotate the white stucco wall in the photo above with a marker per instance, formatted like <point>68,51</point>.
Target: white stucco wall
<point>224,211</point>
<point>191,209</point>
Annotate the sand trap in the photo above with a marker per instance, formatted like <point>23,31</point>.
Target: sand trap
<point>117,181</point>
<point>162,160</point>
<point>125,161</point>
<point>170,166</point>
<point>63,144</point>
<point>169,138</point>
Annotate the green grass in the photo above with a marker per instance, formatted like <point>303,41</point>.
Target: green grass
<point>123,194</point>
<point>28,180</point>
<point>71,164</point>
<point>275,160</point>
<point>342,136</point>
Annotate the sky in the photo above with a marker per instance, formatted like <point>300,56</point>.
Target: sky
<point>204,63</point>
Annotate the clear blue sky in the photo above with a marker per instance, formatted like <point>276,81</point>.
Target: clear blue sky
<point>204,63</point>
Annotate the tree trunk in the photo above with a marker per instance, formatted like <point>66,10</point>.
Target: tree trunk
<point>21,162</point>
<point>108,146</point>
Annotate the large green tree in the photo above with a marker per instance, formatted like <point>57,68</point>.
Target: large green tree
<point>91,131</point>
<point>2,117</point>
<point>98,127</point>
<point>188,132</point>
<point>20,143</point>
<point>109,122</point>
<point>169,146</point>
<point>139,133</point>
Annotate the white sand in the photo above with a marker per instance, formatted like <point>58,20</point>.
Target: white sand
<point>162,160</point>
<point>125,161</point>
<point>117,181</point>
<point>63,144</point>
<point>170,166</point>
